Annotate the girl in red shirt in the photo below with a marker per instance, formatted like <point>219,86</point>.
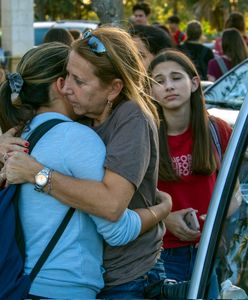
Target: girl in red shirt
<point>188,155</point>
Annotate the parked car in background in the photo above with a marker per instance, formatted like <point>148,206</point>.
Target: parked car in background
<point>225,96</point>
<point>41,28</point>
<point>221,266</point>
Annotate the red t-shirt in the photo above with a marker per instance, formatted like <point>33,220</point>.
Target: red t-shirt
<point>179,37</point>
<point>192,190</point>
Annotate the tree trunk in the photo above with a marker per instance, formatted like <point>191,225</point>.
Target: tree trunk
<point>108,11</point>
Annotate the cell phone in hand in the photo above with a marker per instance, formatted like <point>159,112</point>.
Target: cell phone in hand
<point>191,220</point>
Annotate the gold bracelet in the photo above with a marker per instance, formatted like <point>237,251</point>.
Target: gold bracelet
<point>153,213</point>
<point>49,183</point>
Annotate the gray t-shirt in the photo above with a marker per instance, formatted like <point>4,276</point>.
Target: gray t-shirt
<point>131,140</point>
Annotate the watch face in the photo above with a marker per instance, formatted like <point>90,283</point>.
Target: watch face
<point>41,179</point>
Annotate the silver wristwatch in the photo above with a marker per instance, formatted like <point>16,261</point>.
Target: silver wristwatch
<point>41,179</point>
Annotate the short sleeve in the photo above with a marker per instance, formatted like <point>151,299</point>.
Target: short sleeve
<point>128,151</point>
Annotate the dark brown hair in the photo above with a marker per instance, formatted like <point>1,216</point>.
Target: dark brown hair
<point>39,68</point>
<point>61,35</point>
<point>234,46</point>
<point>204,161</point>
<point>236,20</point>
<point>142,6</point>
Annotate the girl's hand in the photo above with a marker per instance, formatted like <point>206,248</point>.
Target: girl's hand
<point>176,225</point>
<point>165,203</point>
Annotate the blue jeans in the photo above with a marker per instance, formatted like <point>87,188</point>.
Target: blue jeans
<point>179,262</point>
<point>135,289</point>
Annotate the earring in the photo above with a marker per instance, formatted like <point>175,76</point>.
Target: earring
<point>109,103</point>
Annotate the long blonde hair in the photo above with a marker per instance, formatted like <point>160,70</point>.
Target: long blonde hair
<point>121,60</point>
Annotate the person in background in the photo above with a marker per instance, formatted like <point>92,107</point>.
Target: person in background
<point>178,35</point>
<point>193,47</point>
<point>189,160</point>
<point>166,29</point>
<point>235,20</point>
<point>76,33</point>
<point>150,41</point>
<point>233,53</point>
<point>105,82</point>
<point>61,35</point>
<point>141,12</point>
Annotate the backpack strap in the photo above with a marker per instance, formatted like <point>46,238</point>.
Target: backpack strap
<point>33,139</point>
<point>40,130</point>
<point>50,246</point>
<point>37,133</point>
<point>221,64</point>
<point>216,137</point>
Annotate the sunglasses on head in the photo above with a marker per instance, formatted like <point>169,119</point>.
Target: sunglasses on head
<point>94,43</point>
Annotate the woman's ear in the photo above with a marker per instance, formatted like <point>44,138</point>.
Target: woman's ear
<point>115,89</point>
<point>195,83</point>
<point>60,84</point>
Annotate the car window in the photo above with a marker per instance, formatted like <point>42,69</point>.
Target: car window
<point>229,90</point>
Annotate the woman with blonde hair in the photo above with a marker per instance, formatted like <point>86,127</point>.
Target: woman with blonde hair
<point>105,82</point>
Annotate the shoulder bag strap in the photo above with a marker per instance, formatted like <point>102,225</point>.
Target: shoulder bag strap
<point>37,133</point>
<point>40,131</point>
<point>221,64</point>
<point>33,139</point>
<point>50,246</point>
<point>216,138</point>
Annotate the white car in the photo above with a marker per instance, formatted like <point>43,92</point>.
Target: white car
<point>41,28</point>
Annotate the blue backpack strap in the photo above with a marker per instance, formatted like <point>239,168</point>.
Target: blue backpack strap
<point>222,65</point>
<point>37,133</point>
<point>216,137</point>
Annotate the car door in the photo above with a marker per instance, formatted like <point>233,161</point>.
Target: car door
<point>221,266</point>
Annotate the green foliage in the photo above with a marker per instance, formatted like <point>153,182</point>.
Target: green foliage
<point>209,12</point>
